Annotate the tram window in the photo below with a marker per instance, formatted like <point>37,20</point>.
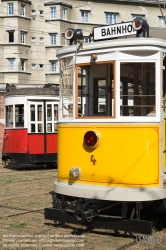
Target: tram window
<point>95,84</point>
<point>49,112</point>
<point>67,70</point>
<point>19,115</point>
<point>33,128</point>
<point>39,112</point>
<point>52,117</point>
<point>137,89</point>
<point>32,110</point>
<point>40,117</point>
<point>36,118</point>
<point>55,127</point>
<point>40,128</point>
<point>55,112</point>
<point>49,127</point>
<point>9,116</point>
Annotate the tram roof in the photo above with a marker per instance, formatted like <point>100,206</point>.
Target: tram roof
<point>157,38</point>
<point>32,91</point>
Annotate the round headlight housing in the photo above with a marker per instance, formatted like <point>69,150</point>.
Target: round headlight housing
<point>92,138</point>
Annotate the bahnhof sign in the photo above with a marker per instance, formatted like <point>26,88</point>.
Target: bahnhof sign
<point>111,31</point>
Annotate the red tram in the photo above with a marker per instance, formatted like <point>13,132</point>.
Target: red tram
<point>30,137</point>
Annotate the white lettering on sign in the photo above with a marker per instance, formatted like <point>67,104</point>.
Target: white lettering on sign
<point>111,31</point>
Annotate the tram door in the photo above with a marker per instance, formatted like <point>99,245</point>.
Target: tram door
<point>42,127</point>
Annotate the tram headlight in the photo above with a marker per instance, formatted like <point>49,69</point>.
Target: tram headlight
<point>137,23</point>
<point>73,35</point>
<point>92,138</point>
<point>141,26</point>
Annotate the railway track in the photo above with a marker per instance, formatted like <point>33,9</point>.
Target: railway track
<point>24,195</point>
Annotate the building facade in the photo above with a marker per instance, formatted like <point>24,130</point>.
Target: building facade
<point>32,31</point>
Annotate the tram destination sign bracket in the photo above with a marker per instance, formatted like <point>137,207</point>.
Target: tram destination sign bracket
<point>112,31</point>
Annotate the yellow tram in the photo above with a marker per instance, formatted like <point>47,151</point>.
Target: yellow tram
<point>111,146</point>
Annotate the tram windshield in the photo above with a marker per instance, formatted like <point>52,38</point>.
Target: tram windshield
<point>137,89</point>
<point>96,85</point>
<point>94,91</point>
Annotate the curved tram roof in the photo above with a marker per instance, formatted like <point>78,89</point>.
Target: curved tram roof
<point>156,40</point>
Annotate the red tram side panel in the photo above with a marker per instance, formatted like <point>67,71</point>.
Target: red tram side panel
<point>52,143</point>
<point>13,145</point>
<point>36,143</point>
<point>30,136</point>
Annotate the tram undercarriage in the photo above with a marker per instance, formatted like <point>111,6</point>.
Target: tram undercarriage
<point>118,216</point>
<point>28,161</point>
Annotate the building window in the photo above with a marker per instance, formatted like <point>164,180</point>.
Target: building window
<point>85,16</point>
<point>41,66</point>
<point>53,12</point>
<point>135,15</point>
<point>11,64</point>
<point>23,37</point>
<point>161,22</point>
<point>53,66</point>
<point>23,64</point>
<point>22,10</point>
<point>11,36</point>
<point>33,13</point>
<point>86,39</point>
<point>53,39</point>
<point>10,9</point>
<point>64,41</point>
<point>41,39</point>
<point>64,13</point>
<point>41,12</point>
<point>33,66</point>
<point>33,39</point>
<point>111,18</point>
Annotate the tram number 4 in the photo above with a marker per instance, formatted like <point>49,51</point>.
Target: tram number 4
<point>92,159</point>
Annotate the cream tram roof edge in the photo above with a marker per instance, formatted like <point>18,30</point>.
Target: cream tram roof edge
<point>31,91</point>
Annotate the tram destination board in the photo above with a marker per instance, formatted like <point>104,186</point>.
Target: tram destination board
<point>113,31</point>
